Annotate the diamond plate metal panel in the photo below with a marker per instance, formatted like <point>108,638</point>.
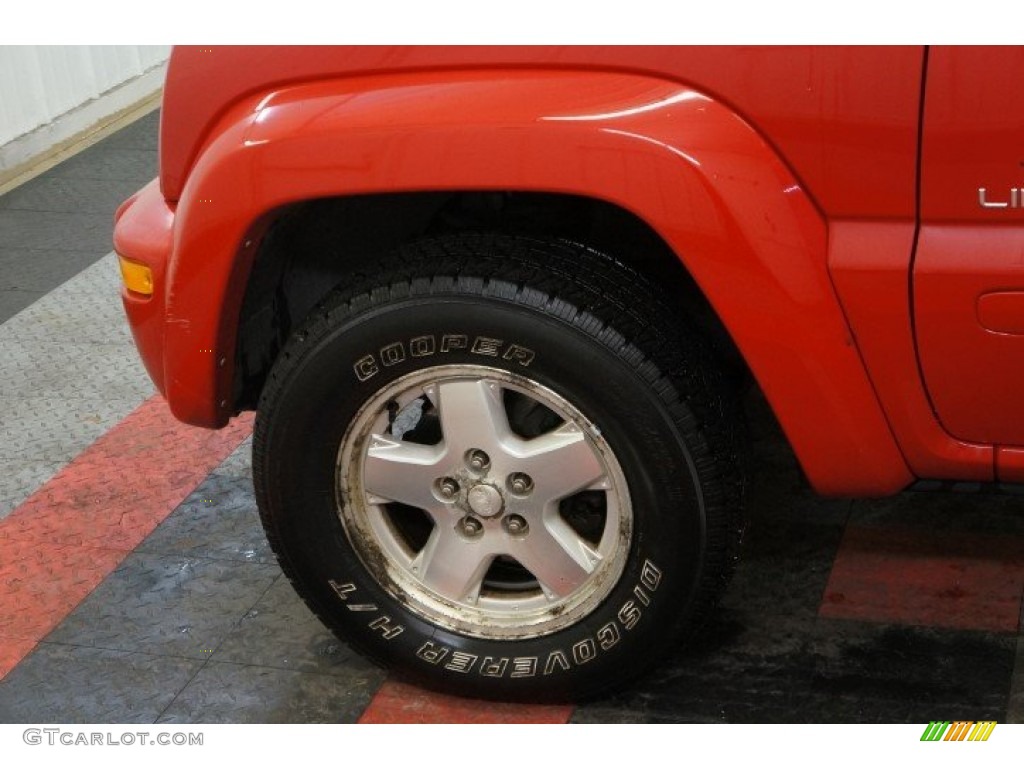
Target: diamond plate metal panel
<point>33,270</point>
<point>142,134</point>
<point>40,585</point>
<point>239,463</point>
<point>85,309</point>
<point>70,374</point>
<point>65,684</point>
<point>748,669</point>
<point>35,368</point>
<point>166,605</point>
<point>115,493</point>
<point>280,631</point>
<point>238,693</point>
<point>20,478</point>
<point>110,162</point>
<point>81,422</point>
<point>398,702</point>
<point>218,521</point>
<point>49,193</point>
<point>54,230</point>
<point>14,300</point>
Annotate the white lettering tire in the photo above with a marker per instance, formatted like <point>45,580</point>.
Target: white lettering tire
<point>502,469</point>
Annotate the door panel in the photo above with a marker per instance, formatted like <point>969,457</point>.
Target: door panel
<point>969,267</point>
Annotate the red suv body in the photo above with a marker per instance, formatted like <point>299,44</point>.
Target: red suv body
<point>845,224</point>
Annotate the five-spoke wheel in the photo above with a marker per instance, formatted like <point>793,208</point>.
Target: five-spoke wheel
<point>485,527</point>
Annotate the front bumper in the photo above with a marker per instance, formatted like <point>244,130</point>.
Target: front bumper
<point>143,234</point>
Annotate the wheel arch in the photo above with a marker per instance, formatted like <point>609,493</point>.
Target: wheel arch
<point>684,166</point>
<point>313,247</point>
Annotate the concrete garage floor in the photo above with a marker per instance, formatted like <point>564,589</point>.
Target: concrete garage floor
<point>136,584</point>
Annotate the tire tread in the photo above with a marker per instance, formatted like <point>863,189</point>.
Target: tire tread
<point>593,293</point>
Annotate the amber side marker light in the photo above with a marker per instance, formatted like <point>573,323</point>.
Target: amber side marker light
<point>138,278</point>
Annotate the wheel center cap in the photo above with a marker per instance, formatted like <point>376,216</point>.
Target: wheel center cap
<point>485,500</point>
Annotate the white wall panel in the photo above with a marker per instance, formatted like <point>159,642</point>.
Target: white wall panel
<point>39,84</point>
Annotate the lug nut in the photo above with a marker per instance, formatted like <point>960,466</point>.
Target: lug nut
<point>516,525</point>
<point>471,526</point>
<point>477,460</point>
<point>520,483</point>
<point>447,488</point>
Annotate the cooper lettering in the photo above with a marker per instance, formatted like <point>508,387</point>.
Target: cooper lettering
<point>392,354</point>
<point>485,346</point>
<point>451,342</point>
<point>421,346</point>
<point>519,354</point>
<point>365,368</point>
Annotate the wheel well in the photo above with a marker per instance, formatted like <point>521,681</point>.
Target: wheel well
<point>315,246</point>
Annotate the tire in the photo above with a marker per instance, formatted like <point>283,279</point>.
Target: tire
<point>500,468</point>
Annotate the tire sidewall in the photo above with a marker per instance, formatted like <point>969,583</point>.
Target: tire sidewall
<point>329,375</point>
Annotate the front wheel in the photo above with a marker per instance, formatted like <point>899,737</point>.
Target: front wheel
<point>498,471</point>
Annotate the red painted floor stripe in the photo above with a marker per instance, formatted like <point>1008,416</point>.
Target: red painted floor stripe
<point>71,533</point>
<point>12,651</point>
<point>957,580</point>
<point>403,703</point>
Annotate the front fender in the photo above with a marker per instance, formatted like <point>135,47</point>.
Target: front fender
<point>688,166</point>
